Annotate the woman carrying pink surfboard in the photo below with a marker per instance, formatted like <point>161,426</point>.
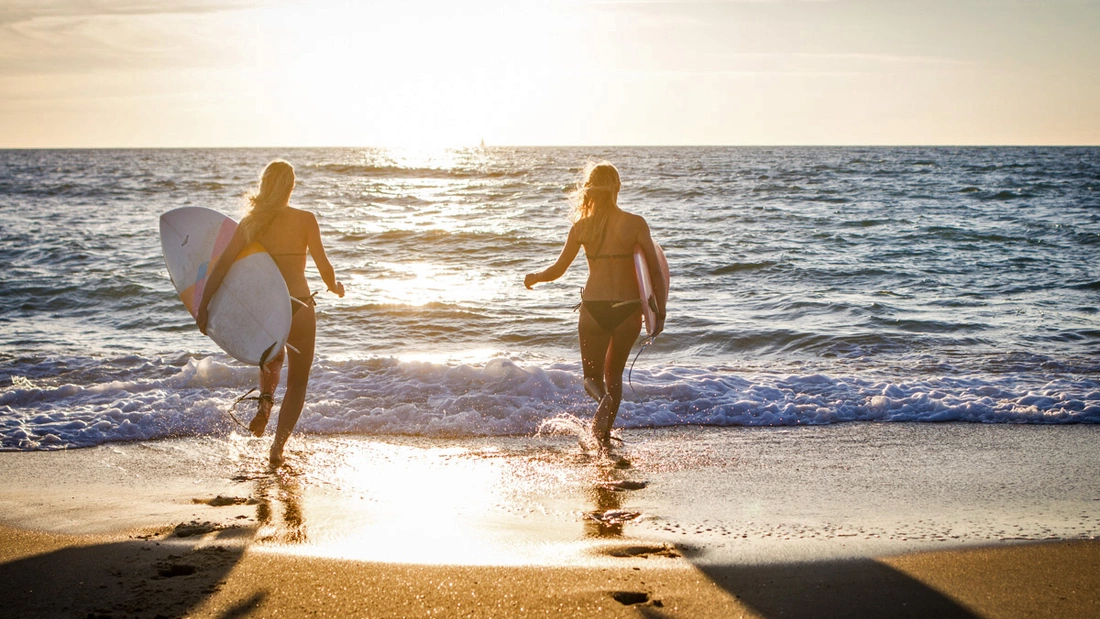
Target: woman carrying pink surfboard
<point>611,308</point>
<point>287,234</point>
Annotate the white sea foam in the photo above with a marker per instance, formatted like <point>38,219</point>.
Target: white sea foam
<point>501,397</point>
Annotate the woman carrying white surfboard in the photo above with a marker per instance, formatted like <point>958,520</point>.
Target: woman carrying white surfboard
<point>287,234</point>
<point>611,309</point>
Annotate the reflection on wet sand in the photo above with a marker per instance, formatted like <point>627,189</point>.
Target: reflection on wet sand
<point>474,505</point>
<point>607,493</point>
<point>280,493</point>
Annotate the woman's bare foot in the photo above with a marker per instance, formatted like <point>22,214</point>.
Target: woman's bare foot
<point>275,456</point>
<point>263,413</point>
<point>602,422</point>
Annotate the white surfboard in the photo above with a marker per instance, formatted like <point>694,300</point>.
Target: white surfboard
<point>645,285</point>
<point>249,315</point>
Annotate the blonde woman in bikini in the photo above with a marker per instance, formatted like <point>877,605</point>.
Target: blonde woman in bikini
<point>610,312</point>
<point>288,234</point>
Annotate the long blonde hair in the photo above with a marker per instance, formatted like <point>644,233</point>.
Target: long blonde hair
<point>594,199</point>
<point>276,185</point>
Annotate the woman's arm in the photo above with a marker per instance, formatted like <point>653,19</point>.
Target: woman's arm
<point>645,241</point>
<point>216,275</point>
<point>556,270</point>
<point>320,259</point>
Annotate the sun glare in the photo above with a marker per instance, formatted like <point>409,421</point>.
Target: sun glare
<point>420,283</point>
<point>406,74</point>
<point>446,506</point>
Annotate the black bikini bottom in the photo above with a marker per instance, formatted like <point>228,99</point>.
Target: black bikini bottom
<point>294,307</point>
<point>611,314</point>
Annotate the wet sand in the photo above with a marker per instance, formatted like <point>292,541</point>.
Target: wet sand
<point>856,520</point>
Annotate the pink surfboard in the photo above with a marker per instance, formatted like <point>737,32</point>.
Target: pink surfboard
<point>250,314</point>
<point>645,286</point>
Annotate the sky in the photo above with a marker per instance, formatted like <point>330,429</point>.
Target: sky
<point>227,73</point>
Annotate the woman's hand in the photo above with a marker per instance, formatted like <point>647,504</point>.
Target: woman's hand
<point>338,289</point>
<point>660,320</point>
<point>202,318</point>
<point>530,280</point>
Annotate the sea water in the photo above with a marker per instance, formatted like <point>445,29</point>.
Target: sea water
<point>809,286</point>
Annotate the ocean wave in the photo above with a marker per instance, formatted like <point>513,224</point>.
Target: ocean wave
<point>774,188</point>
<point>738,267</point>
<point>182,185</point>
<point>501,397</point>
<point>1086,238</point>
<point>867,223</point>
<point>962,235</point>
<point>996,167</point>
<point>1006,194</point>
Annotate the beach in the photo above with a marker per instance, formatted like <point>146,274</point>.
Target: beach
<point>840,520</point>
<point>874,390</point>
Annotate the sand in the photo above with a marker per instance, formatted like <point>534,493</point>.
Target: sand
<point>883,520</point>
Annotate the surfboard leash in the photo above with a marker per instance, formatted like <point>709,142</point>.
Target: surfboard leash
<point>233,408</point>
<point>646,342</point>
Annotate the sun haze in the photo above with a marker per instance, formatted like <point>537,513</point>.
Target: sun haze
<point>129,73</point>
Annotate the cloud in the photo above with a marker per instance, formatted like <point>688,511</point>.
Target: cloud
<point>17,11</point>
<point>65,37</point>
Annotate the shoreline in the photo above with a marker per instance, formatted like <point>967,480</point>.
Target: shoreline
<point>869,520</point>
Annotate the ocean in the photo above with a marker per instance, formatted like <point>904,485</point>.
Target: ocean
<point>810,286</point>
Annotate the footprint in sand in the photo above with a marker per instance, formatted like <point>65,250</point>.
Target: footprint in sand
<point>176,569</point>
<point>633,598</point>
<point>613,516</point>
<point>625,484</point>
<point>195,527</point>
<point>643,552</point>
<point>223,501</point>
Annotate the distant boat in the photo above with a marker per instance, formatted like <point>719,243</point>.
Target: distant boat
<point>482,147</point>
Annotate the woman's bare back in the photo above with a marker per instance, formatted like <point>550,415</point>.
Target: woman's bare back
<point>611,262</point>
<point>287,240</point>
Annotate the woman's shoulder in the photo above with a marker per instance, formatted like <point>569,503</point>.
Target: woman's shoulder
<point>301,215</point>
<point>633,220</point>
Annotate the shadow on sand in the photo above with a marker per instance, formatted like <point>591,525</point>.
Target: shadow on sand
<point>169,574</point>
<point>134,578</point>
<point>848,588</point>
<point>836,588</point>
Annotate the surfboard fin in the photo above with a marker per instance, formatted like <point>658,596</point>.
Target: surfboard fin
<point>267,353</point>
<point>264,358</point>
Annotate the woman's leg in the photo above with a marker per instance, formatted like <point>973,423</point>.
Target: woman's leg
<point>303,335</point>
<point>603,358</point>
<point>269,381</point>
<point>617,354</point>
<point>594,344</point>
